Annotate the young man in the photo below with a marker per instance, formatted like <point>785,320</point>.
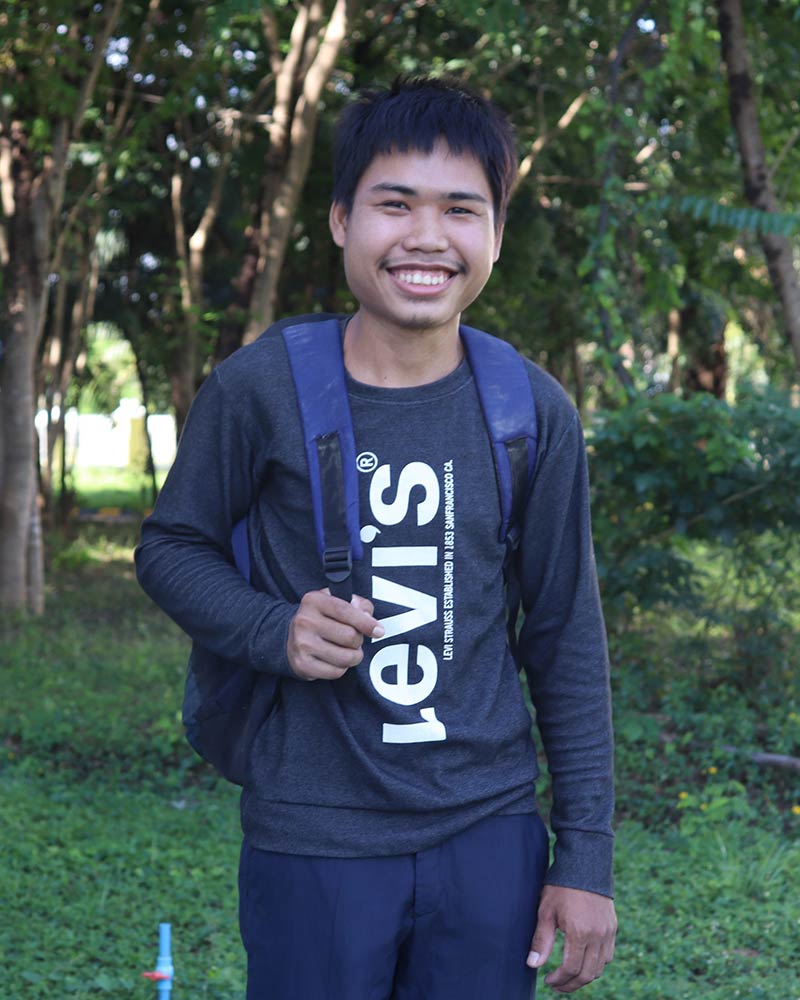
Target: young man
<point>392,847</point>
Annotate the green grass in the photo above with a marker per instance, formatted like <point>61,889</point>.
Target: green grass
<point>113,487</point>
<point>109,824</point>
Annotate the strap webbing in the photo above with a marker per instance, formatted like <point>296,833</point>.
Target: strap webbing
<point>337,559</point>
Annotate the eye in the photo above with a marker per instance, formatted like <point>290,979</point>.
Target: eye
<point>399,205</point>
<point>459,210</point>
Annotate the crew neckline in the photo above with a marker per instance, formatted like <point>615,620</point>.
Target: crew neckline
<point>443,386</point>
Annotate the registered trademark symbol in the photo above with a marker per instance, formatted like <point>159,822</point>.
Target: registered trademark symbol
<point>367,461</point>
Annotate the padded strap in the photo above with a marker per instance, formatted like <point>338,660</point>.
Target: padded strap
<point>506,398</point>
<point>315,356</point>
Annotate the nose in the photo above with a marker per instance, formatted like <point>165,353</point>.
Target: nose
<point>426,232</point>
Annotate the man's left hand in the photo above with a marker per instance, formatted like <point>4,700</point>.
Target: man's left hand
<point>589,925</point>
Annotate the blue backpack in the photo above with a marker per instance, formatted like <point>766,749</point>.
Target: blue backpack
<point>224,703</point>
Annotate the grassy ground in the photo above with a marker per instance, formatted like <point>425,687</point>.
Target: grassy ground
<point>108,824</point>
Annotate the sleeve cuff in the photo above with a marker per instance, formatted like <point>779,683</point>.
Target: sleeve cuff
<point>269,643</point>
<point>583,861</point>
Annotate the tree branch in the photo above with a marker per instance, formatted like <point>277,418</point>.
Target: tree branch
<point>563,122</point>
<point>769,759</point>
<point>136,64</point>
<point>98,58</point>
<point>726,502</point>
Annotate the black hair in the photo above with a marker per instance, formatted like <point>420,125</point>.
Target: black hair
<point>413,115</point>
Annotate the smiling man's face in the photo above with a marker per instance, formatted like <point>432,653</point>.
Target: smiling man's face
<point>419,241</point>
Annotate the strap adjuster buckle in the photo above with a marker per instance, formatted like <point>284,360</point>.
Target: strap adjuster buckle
<point>337,563</point>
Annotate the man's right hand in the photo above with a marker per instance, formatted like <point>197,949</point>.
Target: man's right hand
<point>326,635</point>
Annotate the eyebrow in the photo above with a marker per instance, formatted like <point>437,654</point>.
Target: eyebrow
<point>445,196</point>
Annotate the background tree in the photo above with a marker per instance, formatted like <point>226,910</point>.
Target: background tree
<point>62,54</point>
<point>758,181</point>
<point>152,180</point>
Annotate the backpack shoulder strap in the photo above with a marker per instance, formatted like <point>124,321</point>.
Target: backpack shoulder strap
<point>506,398</point>
<point>317,365</point>
<point>315,357</point>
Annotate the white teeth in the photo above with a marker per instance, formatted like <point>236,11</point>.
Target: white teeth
<point>422,278</point>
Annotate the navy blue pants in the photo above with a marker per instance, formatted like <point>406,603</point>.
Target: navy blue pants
<point>453,922</point>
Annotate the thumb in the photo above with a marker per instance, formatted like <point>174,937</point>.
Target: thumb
<point>543,939</point>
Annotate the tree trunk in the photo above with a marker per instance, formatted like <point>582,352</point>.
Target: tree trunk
<point>26,296</point>
<point>18,473</point>
<point>304,72</point>
<point>141,371</point>
<point>32,201</point>
<point>186,362</point>
<point>674,350</point>
<point>758,186</point>
<point>65,340</point>
<point>183,363</point>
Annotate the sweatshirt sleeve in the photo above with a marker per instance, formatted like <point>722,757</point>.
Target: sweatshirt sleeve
<point>564,653</point>
<point>184,560</point>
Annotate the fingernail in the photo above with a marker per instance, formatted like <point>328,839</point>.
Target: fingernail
<point>533,959</point>
<point>378,631</point>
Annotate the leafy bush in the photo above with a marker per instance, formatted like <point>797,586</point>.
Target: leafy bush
<point>669,473</point>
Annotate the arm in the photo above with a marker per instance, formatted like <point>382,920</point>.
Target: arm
<point>563,650</point>
<point>184,560</point>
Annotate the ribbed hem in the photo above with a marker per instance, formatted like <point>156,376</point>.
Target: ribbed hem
<point>324,831</point>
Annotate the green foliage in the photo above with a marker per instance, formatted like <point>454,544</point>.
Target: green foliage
<point>740,218</point>
<point>109,374</point>
<point>112,825</point>
<point>699,911</point>
<point>668,470</point>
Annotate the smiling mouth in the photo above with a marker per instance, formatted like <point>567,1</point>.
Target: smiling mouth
<point>422,277</point>
<point>419,278</point>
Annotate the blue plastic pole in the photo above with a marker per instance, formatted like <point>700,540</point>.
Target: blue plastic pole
<point>163,973</point>
<point>164,964</point>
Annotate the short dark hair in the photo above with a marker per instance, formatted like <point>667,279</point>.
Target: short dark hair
<point>414,114</point>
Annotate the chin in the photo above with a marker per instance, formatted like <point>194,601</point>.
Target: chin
<point>423,319</point>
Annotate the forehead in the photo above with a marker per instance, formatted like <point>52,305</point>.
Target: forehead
<point>439,171</point>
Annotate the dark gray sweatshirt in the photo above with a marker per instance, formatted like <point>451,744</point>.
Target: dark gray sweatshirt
<point>430,732</point>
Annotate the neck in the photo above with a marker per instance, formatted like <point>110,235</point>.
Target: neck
<point>399,359</point>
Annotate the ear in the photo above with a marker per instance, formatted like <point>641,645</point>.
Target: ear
<point>498,242</point>
<point>337,220</point>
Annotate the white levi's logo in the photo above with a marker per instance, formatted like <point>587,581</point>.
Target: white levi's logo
<point>391,670</point>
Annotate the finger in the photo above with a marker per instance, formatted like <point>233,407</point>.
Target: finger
<point>307,646</point>
<point>573,972</point>
<point>358,614</point>
<point>317,670</point>
<point>363,604</point>
<point>336,633</point>
<point>543,940</point>
<point>337,621</point>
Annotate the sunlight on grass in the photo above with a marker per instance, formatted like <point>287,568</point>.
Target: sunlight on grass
<point>113,487</point>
